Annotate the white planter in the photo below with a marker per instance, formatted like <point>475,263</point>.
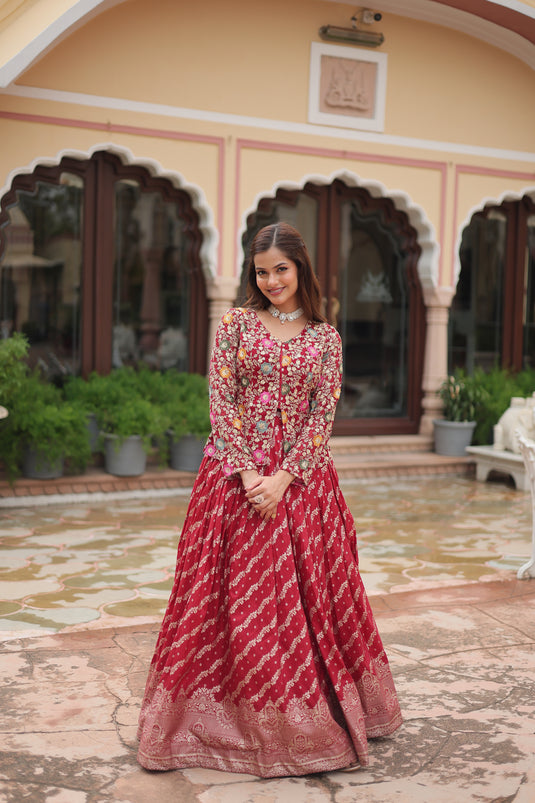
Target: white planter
<point>452,437</point>
<point>126,459</point>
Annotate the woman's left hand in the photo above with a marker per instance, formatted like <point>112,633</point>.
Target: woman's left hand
<point>265,493</point>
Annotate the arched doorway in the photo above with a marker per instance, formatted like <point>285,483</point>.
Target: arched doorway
<point>492,318</point>
<point>365,253</point>
<point>100,268</point>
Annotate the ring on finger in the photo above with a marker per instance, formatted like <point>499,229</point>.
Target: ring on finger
<point>258,500</point>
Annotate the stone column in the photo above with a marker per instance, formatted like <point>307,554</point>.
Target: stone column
<point>438,301</point>
<point>221,292</point>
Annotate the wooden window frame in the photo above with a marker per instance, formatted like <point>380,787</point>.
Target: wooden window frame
<point>329,221</point>
<point>100,174</point>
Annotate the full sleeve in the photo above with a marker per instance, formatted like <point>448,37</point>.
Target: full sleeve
<point>227,442</point>
<point>313,438</point>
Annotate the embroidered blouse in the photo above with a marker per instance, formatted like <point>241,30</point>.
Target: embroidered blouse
<point>253,376</point>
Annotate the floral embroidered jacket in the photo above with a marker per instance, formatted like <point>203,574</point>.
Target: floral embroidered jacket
<point>253,375</point>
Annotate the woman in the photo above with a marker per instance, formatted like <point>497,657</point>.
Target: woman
<point>268,660</point>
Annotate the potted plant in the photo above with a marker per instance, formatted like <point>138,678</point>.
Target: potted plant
<point>461,397</point>
<point>43,432</point>
<point>85,393</point>
<point>128,428</point>
<point>187,413</point>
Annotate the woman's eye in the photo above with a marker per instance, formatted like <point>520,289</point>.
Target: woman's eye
<point>282,269</point>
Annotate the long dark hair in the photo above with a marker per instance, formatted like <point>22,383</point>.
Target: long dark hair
<point>290,243</point>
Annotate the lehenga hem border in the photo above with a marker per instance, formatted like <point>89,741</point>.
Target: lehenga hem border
<point>268,769</point>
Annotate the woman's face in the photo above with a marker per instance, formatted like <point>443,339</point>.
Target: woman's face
<point>277,279</point>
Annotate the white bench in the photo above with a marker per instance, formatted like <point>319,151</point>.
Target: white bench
<point>488,459</point>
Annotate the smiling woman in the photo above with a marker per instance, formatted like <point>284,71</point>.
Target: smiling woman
<point>276,277</point>
<point>269,660</point>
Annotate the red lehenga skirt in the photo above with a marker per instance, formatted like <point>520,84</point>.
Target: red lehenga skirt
<point>268,660</point>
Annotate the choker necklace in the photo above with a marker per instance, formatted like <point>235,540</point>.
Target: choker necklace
<point>285,316</point>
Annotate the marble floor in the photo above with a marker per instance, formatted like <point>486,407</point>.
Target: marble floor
<point>74,566</point>
<point>83,586</point>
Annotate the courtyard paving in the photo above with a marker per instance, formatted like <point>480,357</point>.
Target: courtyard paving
<point>83,586</point>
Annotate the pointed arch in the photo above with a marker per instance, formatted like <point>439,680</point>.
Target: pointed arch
<point>508,195</point>
<point>428,264</point>
<point>153,294</point>
<point>210,234</point>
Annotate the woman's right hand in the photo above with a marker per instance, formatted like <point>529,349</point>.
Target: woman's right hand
<point>249,478</point>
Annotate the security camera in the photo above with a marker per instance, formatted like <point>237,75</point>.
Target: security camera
<point>369,17</point>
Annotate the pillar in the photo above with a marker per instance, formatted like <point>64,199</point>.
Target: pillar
<point>438,301</point>
<point>221,292</point>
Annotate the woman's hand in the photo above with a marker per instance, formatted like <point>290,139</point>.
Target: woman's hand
<point>265,493</point>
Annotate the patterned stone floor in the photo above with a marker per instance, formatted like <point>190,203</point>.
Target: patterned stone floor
<point>83,587</point>
<point>101,564</point>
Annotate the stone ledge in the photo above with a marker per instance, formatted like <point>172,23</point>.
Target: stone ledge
<point>96,481</point>
<point>488,459</point>
<point>369,464</point>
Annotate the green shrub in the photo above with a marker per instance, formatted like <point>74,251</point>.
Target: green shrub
<point>500,386</point>
<point>186,404</point>
<point>462,397</point>
<point>40,418</point>
<point>13,369</point>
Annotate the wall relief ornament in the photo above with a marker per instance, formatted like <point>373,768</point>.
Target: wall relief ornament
<point>347,87</point>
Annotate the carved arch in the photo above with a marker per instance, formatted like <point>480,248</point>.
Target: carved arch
<point>428,270</point>
<point>210,235</point>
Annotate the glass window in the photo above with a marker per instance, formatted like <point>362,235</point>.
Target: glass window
<point>100,267</point>
<point>492,320</point>
<point>371,308</point>
<point>476,319</point>
<point>151,281</point>
<point>365,253</point>
<point>40,273</point>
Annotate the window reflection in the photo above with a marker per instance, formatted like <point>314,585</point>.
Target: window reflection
<point>372,315</point>
<point>475,327</point>
<point>151,283</point>
<point>40,274</point>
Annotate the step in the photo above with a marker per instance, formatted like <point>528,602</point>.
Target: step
<point>94,481</point>
<point>401,464</point>
<point>354,457</point>
<point>366,444</point>
<point>372,456</point>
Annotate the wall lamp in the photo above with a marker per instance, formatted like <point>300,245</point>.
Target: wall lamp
<point>354,35</point>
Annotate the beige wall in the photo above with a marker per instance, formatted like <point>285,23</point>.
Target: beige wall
<point>441,84</point>
<point>215,96</point>
<point>238,64</point>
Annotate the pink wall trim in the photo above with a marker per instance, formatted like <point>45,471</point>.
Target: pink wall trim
<point>345,155</point>
<point>489,171</point>
<point>140,131</point>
